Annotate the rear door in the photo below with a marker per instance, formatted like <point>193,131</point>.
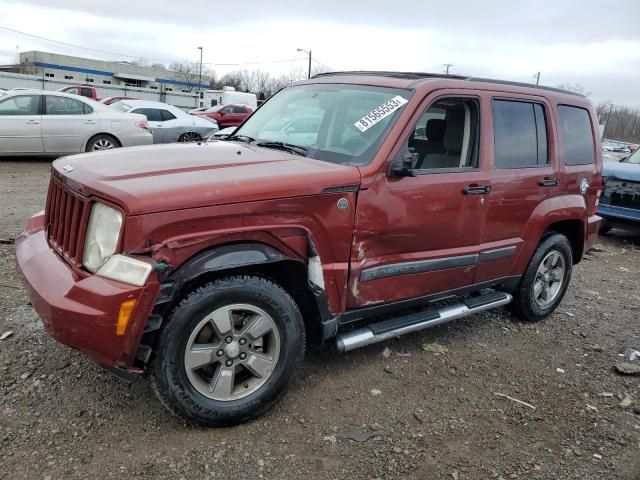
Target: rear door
<point>154,118</point>
<point>67,124</point>
<point>417,236</point>
<point>20,124</point>
<point>524,174</point>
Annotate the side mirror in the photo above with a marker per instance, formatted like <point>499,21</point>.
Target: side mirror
<point>403,166</point>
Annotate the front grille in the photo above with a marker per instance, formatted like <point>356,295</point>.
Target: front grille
<point>621,193</point>
<point>66,219</point>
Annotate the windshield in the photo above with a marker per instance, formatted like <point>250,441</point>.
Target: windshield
<point>336,123</point>
<point>634,157</point>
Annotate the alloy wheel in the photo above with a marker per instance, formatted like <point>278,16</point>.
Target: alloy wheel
<point>549,279</point>
<point>232,352</point>
<point>103,144</point>
<point>190,137</point>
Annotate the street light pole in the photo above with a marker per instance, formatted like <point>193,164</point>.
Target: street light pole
<point>308,52</point>
<point>200,74</point>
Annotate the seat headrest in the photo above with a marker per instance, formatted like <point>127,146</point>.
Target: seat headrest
<point>454,132</point>
<point>435,129</point>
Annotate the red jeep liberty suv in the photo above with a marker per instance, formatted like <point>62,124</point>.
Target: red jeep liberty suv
<point>409,200</point>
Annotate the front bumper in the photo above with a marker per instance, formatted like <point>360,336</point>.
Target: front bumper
<point>81,310</point>
<point>623,214</point>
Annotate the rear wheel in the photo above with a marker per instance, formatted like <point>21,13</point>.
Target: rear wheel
<point>229,351</point>
<point>190,137</point>
<point>102,142</point>
<point>545,280</point>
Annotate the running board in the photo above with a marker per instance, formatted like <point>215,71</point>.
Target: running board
<point>380,331</point>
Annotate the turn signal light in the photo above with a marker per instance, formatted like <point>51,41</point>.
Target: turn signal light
<point>126,309</point>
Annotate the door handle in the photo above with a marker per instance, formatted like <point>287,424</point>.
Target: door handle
<point>90,122</point>
<point>549,182</point>
<point>476,190</point>
<point>32,122</point>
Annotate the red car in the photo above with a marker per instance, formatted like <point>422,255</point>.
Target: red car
<point>110,100</point>
<point>227,115</point>
<point>352,207</point>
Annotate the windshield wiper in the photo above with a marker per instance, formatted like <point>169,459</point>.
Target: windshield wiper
<point>242,138</point>
<point>298,150</point>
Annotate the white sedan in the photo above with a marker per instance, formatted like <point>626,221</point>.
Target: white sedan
<point>37,122</point>
<point>169,123</point>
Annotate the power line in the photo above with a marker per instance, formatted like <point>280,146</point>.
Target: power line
<point>136,57</point>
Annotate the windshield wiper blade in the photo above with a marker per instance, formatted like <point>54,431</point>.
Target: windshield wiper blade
<point>242,138</point>
<point>283,146</point>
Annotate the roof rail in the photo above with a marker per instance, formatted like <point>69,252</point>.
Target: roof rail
<point>409,75</point>
<point>426,76</point>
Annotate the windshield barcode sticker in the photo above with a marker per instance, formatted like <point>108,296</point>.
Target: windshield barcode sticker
<point>380,113</point>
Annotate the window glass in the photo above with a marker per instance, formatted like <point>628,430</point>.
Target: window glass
<point>72,90</point>
<point>86,109</point>
<point>353,120</point>
<point>22,105</point>
<point>63,106</point>
<point>520,141</point>
<point>152,114</point>
<point>239,110</point>
<point>227,110</point>
<point>577,135</point>
<point>446,135</point>
<point>86,92</point>
<point>121,106</point>
<point>634,157</point>
<point>167,115</point>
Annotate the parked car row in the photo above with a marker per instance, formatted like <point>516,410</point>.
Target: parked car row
<point>620,201</point>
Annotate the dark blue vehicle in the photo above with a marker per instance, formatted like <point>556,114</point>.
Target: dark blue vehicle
<point>620,200</point>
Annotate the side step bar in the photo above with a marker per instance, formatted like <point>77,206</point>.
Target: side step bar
<point>378,332</point>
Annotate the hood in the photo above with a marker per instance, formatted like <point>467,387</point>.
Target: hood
<point>159,178</point>
<point>622,171</point>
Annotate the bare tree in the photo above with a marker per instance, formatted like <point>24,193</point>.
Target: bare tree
<point>189,73</point>
<point>160,66</point>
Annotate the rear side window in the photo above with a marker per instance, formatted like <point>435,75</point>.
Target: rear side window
<point>520,134</point>
<point>152,114</point>
<point>577,135</point>
<point>167,115</point>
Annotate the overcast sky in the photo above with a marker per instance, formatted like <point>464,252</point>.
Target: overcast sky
<point>595,44</point>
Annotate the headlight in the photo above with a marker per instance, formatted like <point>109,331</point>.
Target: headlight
<point>102,236</point>
<point>126,269</point>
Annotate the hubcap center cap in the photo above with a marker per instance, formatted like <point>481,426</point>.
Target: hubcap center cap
<point>232,350</point>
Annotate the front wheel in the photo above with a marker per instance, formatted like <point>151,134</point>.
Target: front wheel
<point>102,142</point>
<point>229,351</point>
<point>545,280</point>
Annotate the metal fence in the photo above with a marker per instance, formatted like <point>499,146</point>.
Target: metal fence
<point>179,99</point>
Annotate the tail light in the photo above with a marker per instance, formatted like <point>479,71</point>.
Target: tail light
<point>143,124</point>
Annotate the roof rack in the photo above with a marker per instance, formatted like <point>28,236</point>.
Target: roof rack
<point>426,76</point>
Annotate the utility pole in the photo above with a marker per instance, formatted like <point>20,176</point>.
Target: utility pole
<point>308,52</point>
<point>537,77</point>
<point>447,66</point>
<point>200,76</point>
<point>606,123</point>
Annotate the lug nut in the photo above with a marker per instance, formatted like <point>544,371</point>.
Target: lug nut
<point>243,356</point>
<point>220,353</point>
<point>242,341</point>
<point>228,339</point>
<point>228,363</point>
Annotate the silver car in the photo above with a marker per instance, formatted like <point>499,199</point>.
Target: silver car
<point>168,123</point>
<point>37,122</point>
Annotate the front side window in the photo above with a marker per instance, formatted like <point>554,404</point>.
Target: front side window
<point>21,105</point>
<point>577,135</point>
<point>446,135</point>
<point>348,123</point>
<point>520,134</point>
<point>63,106</point>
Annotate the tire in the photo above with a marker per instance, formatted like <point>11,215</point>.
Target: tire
<point>190,137</point>
<point>529,300</point>
<point>209,395</point>
<point>102,142</point>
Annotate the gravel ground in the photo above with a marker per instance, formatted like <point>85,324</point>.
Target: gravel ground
<point>391,410</point>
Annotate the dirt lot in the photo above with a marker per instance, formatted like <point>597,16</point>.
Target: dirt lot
<point>437,416</point>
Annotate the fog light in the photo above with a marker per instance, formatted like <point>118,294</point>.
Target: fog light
<point>126,269</point>
<point>126,309</point>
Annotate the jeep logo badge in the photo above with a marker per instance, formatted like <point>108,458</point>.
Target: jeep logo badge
<point>584,186</point>
<point>68,168</point>
<point>343,204</point>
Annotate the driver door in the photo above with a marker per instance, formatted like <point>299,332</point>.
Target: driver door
<point>420,235</point>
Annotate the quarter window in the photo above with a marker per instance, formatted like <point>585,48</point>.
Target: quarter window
<point>520,134</point>
<point>21,105</point>
<point>167,115</point>
<point>152,114</point>
<point>577,135</point>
